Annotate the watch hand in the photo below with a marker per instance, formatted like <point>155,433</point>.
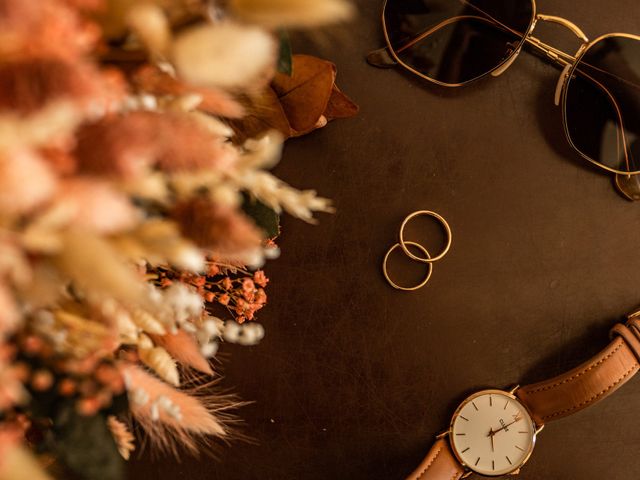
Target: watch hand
<point>518,418</point>
<point>491,434</point>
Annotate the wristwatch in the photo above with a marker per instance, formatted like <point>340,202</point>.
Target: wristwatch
<point>493,432</point>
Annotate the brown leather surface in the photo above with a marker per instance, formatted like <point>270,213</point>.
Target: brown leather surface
<point>439,464</point>
<point>354,379</point>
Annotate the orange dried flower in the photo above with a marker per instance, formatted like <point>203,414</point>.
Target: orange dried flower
<point>41,380</point>
<point>67,387</point>
<point>88,406</point>
<point>260,278</point>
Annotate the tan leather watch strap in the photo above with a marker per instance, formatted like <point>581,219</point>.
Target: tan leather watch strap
<point>588,383</point>
<point>439,464</point>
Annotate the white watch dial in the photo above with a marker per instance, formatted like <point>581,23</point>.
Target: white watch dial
<point>492,433</point>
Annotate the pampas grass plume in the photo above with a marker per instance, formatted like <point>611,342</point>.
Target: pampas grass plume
<point>291,13</point>
<point>225,55</point>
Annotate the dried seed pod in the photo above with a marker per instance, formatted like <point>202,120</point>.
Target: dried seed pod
<point>158,359</point>
<point>147,322</point>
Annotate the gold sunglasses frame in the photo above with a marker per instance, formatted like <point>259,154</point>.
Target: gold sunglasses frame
<point>568,62</point>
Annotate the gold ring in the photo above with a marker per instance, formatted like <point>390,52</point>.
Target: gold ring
<point>395,285</point>
<point>403,243</point>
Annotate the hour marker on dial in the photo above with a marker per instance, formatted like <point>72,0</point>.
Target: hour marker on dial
<point>465,449</point>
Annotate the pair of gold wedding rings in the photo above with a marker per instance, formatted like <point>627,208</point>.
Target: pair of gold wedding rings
<point>405,244</point>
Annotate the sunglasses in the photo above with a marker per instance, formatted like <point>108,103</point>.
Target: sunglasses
<point>455,42</point>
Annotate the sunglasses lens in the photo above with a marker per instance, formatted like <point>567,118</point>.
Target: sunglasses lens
<point>456,41</point>
<point>602,104</point>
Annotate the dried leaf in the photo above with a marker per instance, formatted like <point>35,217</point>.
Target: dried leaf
<point>266,114</point>
<point>85,445</point>
<point>305,95</point>
<point>340,106</point>
<point>298,104</point>
<point>264,217</point>
<point>285,58</point>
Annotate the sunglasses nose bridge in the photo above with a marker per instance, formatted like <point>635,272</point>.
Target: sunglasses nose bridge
<point>565,23</point>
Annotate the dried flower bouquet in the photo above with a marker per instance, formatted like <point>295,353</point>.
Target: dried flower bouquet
<point>136,210</point>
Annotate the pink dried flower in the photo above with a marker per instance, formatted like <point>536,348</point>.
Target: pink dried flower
<point>10,437</point>
<point>224,299</point>
<point>9,315</point>
<point>126,146</point>
<point>97,206</point>
<point>187,145</point>
<point>61,32</point>
<point>25,182</point>
<point>150,79</point>
<point>28,85</point>
<point>60,161</point>
<point>218,228</point>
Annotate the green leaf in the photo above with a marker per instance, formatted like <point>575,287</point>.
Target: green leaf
<point>285,59</point>
<point>265,217</point>
<point>85,445</point>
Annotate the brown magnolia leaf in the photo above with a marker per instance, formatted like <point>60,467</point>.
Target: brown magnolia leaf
<point>340,106</point>
<point>298,104</point>
<point>305,95</point>
<point>266,114</point>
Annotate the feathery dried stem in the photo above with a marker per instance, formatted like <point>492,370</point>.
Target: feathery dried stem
<point>125,441</point>
<point>171,416</point>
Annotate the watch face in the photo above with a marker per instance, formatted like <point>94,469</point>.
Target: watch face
<point>492,433</point>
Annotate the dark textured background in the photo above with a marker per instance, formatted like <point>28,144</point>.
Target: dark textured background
<point>354,379</point>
